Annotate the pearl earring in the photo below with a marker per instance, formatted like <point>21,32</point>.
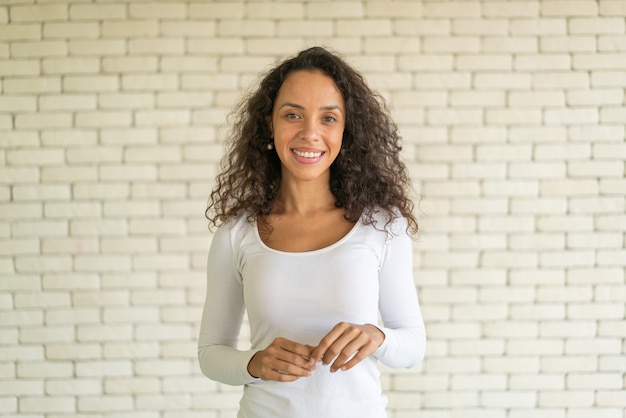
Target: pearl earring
<point>269,146</point>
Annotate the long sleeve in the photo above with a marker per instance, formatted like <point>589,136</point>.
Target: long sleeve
<point>222,317</point>
<point>403,325</point>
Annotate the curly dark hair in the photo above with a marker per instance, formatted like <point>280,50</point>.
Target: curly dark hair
<point>367,175</point>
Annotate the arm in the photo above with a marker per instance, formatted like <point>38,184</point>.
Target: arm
<point>222,317</point>
<point>403,326</point>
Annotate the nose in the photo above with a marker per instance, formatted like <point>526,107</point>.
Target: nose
<point>310,130</point>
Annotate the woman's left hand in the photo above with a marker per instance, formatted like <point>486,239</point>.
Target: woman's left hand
<point>348,344</point>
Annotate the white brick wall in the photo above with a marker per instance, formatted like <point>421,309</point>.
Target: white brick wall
<point>512,113</point>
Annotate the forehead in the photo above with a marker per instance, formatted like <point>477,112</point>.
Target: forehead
<point>310,83</point>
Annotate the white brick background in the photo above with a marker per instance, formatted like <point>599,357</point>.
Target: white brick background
<point>112,115</point>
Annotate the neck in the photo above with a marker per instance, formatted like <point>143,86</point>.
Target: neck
<point>305,198</point>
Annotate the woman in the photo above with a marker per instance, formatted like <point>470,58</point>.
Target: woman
<point>313,243</point>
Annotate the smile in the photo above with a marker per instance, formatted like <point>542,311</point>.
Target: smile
<point>307,154</point>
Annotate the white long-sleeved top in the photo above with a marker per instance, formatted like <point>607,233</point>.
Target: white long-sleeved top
<point>302,296</point>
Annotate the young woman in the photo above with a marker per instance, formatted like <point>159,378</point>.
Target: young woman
<point>313,219</point>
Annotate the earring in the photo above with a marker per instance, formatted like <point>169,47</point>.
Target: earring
<point>269,146</point>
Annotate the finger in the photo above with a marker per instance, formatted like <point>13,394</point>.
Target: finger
<point>354,353</point>
<point>301,350</point>
<point>320,352</point>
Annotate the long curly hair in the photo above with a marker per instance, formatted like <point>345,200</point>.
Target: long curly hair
<point>367,175</point>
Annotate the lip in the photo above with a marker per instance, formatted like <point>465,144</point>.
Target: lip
<point>298,155</point>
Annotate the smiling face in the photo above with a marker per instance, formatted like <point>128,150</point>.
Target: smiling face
<point>307,123</point>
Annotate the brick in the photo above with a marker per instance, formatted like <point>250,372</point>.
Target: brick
<point>484,62</point>
<point>63,137</point>
<point>223,46</point>
<point>544,26</point>
<point>24,210</point>
<point>454,117</point>
<point>38,13</point>
<point>43,120</point>
<point>188,28</point>
<point>543,62</point>
<point>337,10</point>
<point>126,100</point>
<point>162,118</point>
<point>605,61</point>
<point>480,27</point>
<point>364,27</point>
<point>425,63</point>
<point>452,9</point>
<point>538,381</point>
<point>247,28</point>
<point>458,44</point>
<point>569,187</point>
<point>19,32</point>
<point>596,169</point>
<point>47,404</point>
<point>103,368</point>
<point>23,67</point>
<point>130,29</point>
<point>189,64</point>
<point>170,46</point>
<point>536,98</point>
<point>133,314</point>
<point>30,85</point>
<point>396,45</point>
<point>597,26</point>
<point>17,104</point>
<point>613,115</point>
<point>73,386</point>
<point>569,8</point>
<point>612,8</point>
<point>117,172</point>
<point>39,49</point>
<point>217,10</point>
<point>128,245</point>
<point>611,43</point>
<point>158,10</point>
<point>569,364</point>
<point>537,241</point>
<point>415,27</point>
<point>70,66</point>
<point>571,116</point>
<point>131,208</point>
<point>511,44</point>
<point>509,398</point>
<point>495,80</point>
<point>568,43</point>
<point>88,155</point>
<point>396,9</point>
<point>132,385</point>
<point>105,403</point>
<point>90,83</point>
<point>98,47</point>
<point>149,82</point>
<point>97,11</point>
<point>477,170</point>
<point>511,9</point>
<point>87,263</point>
<point>67,30</point>
<point>537,170</point>
<point>67,102</point>
<point>513,116</point>
<point>594,240</point>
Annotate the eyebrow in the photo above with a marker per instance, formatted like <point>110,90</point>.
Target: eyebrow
<point>298,106</point>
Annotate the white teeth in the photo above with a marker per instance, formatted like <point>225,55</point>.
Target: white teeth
<point>307,154</point>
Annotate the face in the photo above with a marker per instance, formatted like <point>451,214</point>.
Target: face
<point>307,123</point>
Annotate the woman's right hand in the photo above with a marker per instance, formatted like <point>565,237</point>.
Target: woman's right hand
<point>283,360</point>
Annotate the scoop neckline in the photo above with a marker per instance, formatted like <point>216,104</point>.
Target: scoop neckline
<point>335,244</point>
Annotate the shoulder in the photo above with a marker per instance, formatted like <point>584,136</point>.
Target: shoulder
<point>389,220</point>
<point>233,230</point>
